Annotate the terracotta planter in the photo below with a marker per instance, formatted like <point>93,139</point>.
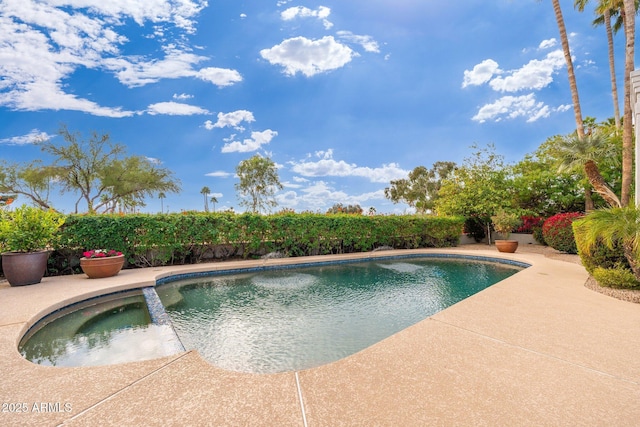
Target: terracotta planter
<point>507,246</point>
<point>97,268</point>
<point>24,268</point>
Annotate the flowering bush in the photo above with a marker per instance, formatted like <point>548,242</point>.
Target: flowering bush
<point>558,233</point>
<point>100,253</point>
<point>529,223</point>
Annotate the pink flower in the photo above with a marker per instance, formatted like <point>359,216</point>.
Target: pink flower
<point>101,253</point>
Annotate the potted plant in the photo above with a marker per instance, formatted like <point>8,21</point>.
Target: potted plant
<point>504,222</point>
<point>99,263</point>
<point>27,234</point>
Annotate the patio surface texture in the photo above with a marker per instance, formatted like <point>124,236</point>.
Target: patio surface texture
<point>537,349</point>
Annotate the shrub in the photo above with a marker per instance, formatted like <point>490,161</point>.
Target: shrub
<point>618,277</point>
<point>29,229</point>
<point>537,235</point>
<point>605,262</point>
<point>475,228</point>
<point>558,232</point>
<point>150,240</point>
<point>599,255</point>
<point>505,222</point>
<point>529,224</point>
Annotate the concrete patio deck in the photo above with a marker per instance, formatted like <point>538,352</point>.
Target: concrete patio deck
<point>535,349</point>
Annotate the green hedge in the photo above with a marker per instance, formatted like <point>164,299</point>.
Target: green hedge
<point>151,240</point>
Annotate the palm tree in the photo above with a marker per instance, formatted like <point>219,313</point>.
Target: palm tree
<point>570,71</point>
<point>161,196</point>
<point>205,192</point>
<point>612,226</point>
<point>214,200</point>
<point>582,152</point>
<point>604,10</point>
<point>629,17</point>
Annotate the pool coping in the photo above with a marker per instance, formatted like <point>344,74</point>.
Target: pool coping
<point>494,358</point>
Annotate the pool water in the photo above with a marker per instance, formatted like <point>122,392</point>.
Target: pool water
<point>113,329</point>
<point>293,319</point>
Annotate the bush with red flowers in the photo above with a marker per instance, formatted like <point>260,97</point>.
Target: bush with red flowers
<point>532,225</point>
<point>529,223</point>
<point>558,233</point>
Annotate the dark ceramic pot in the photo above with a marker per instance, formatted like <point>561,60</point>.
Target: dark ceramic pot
<point>24,268</point>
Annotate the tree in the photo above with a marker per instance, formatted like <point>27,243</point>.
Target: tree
<point>205,192</point>
<point>541,190</point>
<point>573,85</point>
<point>32,180</point>
<point>604,10</point>
<point>629,17</point>
<point>258,183</point>
<point>575,151</point>
<point>478,189</point>
<point>420,189</point>
<point>213,200</point>
<point>340,208</point>
<point>626,10</point>
<point>96,169</point>
<point>161,196</point>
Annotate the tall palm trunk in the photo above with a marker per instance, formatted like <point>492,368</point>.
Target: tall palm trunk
<point>612,68</point>
<point>599,184</point>
<point>629,18</point>
<point>570,71</point>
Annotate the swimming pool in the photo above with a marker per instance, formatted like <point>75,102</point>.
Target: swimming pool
<point>262,320</point>
<point>115,328</point>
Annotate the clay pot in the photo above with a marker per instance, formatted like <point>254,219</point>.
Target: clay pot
<point>507,246</point>
<point>97,268</point>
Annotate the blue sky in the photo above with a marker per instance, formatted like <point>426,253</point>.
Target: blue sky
<point>343,96</point>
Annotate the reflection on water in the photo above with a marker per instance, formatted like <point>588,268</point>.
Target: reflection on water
<point>296,319</point>
<point>104,332</point>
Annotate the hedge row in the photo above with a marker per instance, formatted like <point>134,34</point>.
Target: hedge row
<point>151,240</point>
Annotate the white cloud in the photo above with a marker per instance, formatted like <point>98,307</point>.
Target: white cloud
<point>512,107</point>
<point>182,96</point>
<point>321,13</point>
<point>30,138</point>
<point>232,120</point>
<point>320,196</point>
<point>257,140</point>
<point>327,166</point>
<point>176,64</point>
<point>45,42</point>
<point>537,74</point>
<point>219,174</point>
<point>308,57</point>
<point>154,160</point>
<point>481,73</point>
<point>547,44</point>
<point>175,109</point>
<point>367,42</point>
<point>219,76</point>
